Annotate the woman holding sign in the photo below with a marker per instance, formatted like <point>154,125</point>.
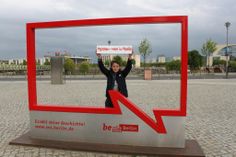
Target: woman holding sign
<point>116,78</point>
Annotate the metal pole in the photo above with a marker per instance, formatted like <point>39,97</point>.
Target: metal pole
<point>227,62</point>
<point>227,24</point>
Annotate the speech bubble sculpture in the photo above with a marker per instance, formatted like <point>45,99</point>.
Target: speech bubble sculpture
<point>125,123</point>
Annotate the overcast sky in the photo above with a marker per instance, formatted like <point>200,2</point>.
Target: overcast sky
<point>206,20</point>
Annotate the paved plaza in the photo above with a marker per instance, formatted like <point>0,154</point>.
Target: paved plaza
<point>211,118</point>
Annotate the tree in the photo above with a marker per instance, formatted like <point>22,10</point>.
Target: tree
<point>118,59</point>
<point>233,58</point>
<point>194,60</point>
<point>37,62</point>
<point>207,49</point>
<point>145,49</point>
<point>217,61</point>
<point>69,66</point>
<point>84,67</point>
<point>24,62</point>
<point>232,65</point>
<point>47,62</point>
<point>133,62</point>
<point>107,62</point>
<point>173,65</point>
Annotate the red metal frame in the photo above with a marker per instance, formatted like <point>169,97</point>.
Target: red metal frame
<point>160,128</point>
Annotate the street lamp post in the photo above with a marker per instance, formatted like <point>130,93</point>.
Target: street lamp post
<point>227,24</point>
<point>110,56</point>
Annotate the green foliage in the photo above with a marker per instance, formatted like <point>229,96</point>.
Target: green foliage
<point>37,62</point>
<point>194,60</point>
<point>118,59</point>
<point>123,63</point>
<point>94,65</point>
<point>232,64</point>
<point>107,62</point>
<point>84,67</point>
<point>217,61</point>
<point>173,65</point>
<point>133,62</point>
<point>208,47</point>
<point>24,62</point>
<point>145,49</point>
<point>146,64</point>
<point>69,66</point>
<point>160,64</point>
<point>156,64</point>
<point>233,58</point>
<point>47,62</point>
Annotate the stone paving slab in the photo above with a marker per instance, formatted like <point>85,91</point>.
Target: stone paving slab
<point>211,111</point>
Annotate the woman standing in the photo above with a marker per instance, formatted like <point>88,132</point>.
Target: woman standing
<point>116,78</point>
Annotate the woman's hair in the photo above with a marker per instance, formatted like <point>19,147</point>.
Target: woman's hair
<point>112,62</point>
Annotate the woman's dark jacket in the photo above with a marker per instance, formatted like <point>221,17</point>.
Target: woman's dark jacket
<point>119,77</point>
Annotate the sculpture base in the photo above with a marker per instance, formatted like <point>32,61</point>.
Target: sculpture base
<point>192,148</point>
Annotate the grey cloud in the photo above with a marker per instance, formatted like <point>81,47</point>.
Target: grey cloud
<point>206,20</point>
<point>84,40</point>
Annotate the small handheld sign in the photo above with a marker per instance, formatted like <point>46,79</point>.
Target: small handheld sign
<point>117,49</point>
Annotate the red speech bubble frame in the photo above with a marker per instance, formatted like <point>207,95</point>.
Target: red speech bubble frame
<point>32,90</point>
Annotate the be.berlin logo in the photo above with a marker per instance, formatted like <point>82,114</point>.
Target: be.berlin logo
<point>120,128</point>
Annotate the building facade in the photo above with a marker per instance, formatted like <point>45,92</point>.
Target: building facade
<point>161,59</point>
<point>220,53</point>
<point>176,58</point>
<point>42,61</point>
